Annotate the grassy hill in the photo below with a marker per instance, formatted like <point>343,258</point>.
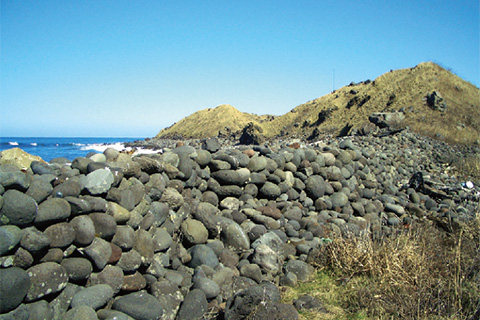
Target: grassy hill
<point>209,122</point>
<point>350,106</point>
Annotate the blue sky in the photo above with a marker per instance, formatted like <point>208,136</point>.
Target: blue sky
<point>131,68</point>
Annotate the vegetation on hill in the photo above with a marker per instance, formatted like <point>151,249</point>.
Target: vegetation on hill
<point>209,122</point>
<point>349,108</point>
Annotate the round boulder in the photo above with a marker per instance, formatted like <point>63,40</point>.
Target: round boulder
<point>18,208</point>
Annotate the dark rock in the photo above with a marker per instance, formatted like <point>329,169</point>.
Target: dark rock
<point>108,314</point>
<point>99,251</point>
<point>160,212</point>
<point>194,306</point>
<point>194,231</point>
<point>78,269</point>
<point>288,279</point>
<point>162,240</point>
<point>105,225</point>
<point>15,180</point>
<point>60,235</point>
<point>230,177</point>
<point>155,186</point>
<point>244,303</point>
<point>315,186</point>
<point>69,188</point>
<point>81,164</point>
<point>14,285</point>
<point>53,255</point>
<point>22,259</point>
<point>111,275</point>
<point>97,204</point>
<point>40,310</point>
<point>84,230</point>
<point>80,313</point>
<point>257,164</point>
<point>78,206</point>
<point>202,254</point>
<point>252,134</point>
<point>389,120</point>
<point>53,209</point>
<point>436,102</point>
<point>144,245</point>
<point>208,286</point>
<point>10,237</point>
<point>234,237</point>
<point>339,199</point>
<point>39,189</point>
<point>251,271</point>
<point>20,313</point>
<point>301,269</point>
<point>18,208</point>
<point>172,197</point>
<point>130,261</point>
<point>169,296</point>
<point>124,237</point>
<point>139,305</point>
<point>270,190</point>
<point>95,296</point>
<point>46,278</point>
<point>307,302</point>
<point>211,145</point>
<point>275,311</point>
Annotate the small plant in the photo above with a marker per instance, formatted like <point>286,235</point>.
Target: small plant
<point>421,273</point>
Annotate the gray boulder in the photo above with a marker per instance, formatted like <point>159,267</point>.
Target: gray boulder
<point>10,237</point>
<point>99,181</point>
<point>436,102</point>
<point>139,305</point>
<point>194,306</point>
<point>14,285</point>
<point>18,208</point>
<point>46,278</point>
<point>53,209</point>
<point>95,296</point>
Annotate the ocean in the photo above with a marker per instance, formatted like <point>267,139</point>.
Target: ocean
<point>70,148</point>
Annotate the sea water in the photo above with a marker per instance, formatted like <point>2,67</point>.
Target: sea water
<point>70,148</point>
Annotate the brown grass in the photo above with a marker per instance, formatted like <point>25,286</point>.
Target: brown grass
<point>469,167</point>
<point>423,273</point>
<point>403,88</point>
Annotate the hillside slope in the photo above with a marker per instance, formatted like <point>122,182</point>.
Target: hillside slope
<point>350,107</point>
<point>209,122</point>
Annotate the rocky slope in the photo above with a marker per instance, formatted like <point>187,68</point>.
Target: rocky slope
<point>435,102</point>
<point>207,231</point>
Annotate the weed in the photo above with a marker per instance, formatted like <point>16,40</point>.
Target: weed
<point>423,273</point>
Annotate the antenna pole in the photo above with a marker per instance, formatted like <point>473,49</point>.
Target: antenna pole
<point>333,81</point>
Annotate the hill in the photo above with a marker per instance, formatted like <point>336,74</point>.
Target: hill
<point>349,108</point>
<point>209,122</point>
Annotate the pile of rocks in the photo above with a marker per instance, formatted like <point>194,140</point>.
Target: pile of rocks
<point>193,232</point>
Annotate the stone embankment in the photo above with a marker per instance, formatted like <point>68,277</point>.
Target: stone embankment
<point>194,232</point>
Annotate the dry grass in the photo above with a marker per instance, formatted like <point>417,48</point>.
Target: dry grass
<point>403,88</point>
<point>422,273</point>
<point>469,167</point>
<point>208,122</point>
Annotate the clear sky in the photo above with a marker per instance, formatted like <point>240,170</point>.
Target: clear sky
<point>130,68</point>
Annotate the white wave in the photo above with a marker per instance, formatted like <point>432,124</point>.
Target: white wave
<point>33,144</point>
<point>13,143</point>
<point>147,151</point>
<point>100,147</point>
